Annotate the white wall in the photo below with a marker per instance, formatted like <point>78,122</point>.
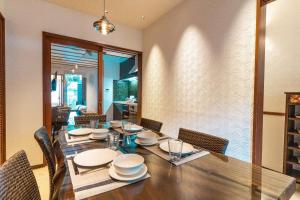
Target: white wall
<point>198,70</point>
<point>2,6</point>
<point>111,72</point>
<point>25,21</point>
<point>282,74</point>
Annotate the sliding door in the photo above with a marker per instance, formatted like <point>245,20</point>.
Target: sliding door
<point>2,89</point>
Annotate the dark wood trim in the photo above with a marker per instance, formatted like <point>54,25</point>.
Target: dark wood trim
<point>265,2</point>
<point>273,113</point>
<point>88,44</point>
<point>100,80</point>
<point>140,84</point>
<point>259,83</point>
<point>38,166</point>
<point>2,92</point>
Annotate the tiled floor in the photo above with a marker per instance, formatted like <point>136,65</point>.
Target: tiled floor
<point>43,182</point>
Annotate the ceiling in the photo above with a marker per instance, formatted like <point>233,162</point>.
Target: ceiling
<point>65,56</point>
<point>128,12</point>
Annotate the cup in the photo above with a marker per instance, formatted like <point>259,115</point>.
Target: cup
<point>113,140</point>
<point>175,149</point>
<point>94,123</point>
<point>125,123</point>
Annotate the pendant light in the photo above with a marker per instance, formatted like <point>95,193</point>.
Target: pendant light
<point>103,25</point>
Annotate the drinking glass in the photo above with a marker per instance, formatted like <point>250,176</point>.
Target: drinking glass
<point>113,140</point>
<point>94,123</point>
<point>175,149</point>
<point>126,124</point>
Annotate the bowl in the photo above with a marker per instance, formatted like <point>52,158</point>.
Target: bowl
<point>100,131</point>
<point>147,137</point>
<point>115,124</point>
<point>128,164</point>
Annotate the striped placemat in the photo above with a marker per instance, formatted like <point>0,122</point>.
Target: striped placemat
<point>198,153</point>
<point>90,182</point>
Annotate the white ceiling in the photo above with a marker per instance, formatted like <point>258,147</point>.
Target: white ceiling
<point>128,12</point>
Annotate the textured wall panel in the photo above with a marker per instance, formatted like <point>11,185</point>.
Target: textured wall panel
<point>198,70</point>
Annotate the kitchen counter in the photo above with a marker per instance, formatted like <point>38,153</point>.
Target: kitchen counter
<point>125,103</point>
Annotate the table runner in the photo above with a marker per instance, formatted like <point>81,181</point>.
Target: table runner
<point>157,151</point>
<point>90,182</point>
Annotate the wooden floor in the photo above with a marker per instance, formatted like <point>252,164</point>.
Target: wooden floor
<point>41,176</point>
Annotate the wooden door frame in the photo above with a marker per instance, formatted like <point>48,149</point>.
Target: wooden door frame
<point>49,38</point>
<point>2,94</point>
<point>259,76</point>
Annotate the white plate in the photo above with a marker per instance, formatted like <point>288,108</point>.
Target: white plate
<point>136,176</point>
<point>138,141</point>
<point>80,131</point>
<point>95,157</point>
<point>97,137</point>
<point>186,148</point>
<point>133,128</point>
<point>100,131</point>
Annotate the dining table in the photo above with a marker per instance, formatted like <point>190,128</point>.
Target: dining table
<point>213,176</point>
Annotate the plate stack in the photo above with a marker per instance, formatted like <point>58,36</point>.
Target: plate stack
<point>99,134</point>
<point>128,167</point>
<point>132,128</point>
<point>146,138</point>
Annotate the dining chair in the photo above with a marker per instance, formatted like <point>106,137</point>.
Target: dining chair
<point>85,119</point>
<point>56,175</point>
<point>17,180</point>
<point>151,124</point>
<point>203,140</point>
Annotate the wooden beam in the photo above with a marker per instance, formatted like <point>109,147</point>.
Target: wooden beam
<point>2,91</point>
<point>259,83</point>
<point>100,80</point>
<point>140,84</point>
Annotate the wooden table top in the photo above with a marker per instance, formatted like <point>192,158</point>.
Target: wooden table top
<point>213,176</point>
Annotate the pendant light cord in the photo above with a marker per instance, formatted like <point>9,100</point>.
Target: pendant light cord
<point>104,7</point>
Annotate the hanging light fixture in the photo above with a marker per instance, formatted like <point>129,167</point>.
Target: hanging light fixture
<point>103,25</point>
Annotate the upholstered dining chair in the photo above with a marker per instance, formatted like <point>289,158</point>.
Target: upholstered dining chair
<point>17,180</point>
<point>151,124</point>
<point>85,119</point>
<point>206,141</point>
<point>55,176</point>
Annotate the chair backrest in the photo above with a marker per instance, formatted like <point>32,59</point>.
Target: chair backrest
<point>206,141</point>
<point>17,180</point>
<point>42,137</point>
<point>85,119</point>
<point>151,124</point>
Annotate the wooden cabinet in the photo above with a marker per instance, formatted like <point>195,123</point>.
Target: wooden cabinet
<point>291,165</point>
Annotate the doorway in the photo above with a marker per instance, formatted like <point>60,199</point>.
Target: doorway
<point>77,91</point>
<point>74,84</point>
<point>121,99</point>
